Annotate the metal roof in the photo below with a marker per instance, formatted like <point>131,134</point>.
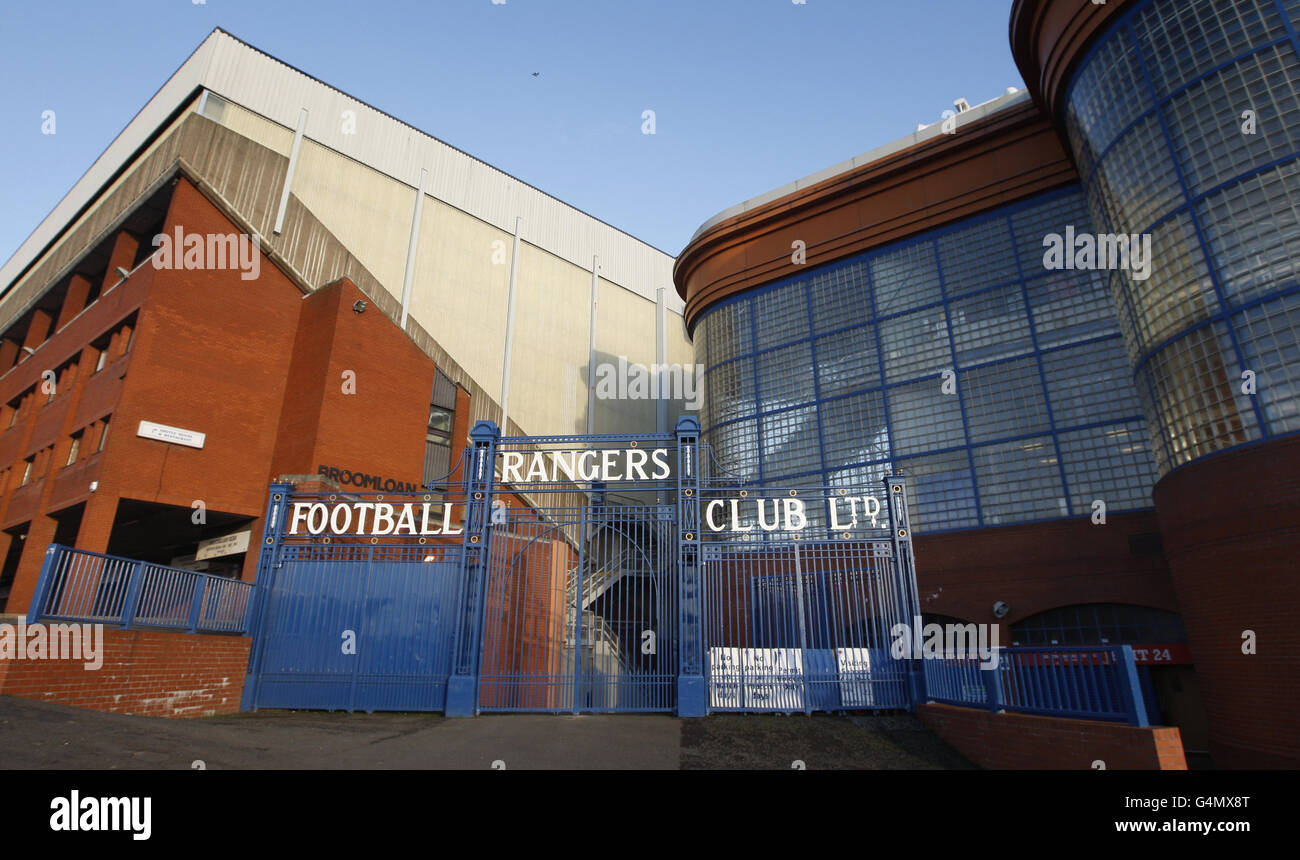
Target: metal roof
<point>259,82</point>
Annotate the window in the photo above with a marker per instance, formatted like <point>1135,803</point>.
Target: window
<point>74,449</point>
<point>103,357</point>
<point>27,470</point>
<point>103,435</point>
<point>442,417</point>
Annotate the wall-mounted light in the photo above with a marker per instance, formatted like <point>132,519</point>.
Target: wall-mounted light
<point>94,485</point>
<point>360,306</point>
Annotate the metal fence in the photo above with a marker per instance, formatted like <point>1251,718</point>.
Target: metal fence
<point>76,585</point>
<point>1090,682</point>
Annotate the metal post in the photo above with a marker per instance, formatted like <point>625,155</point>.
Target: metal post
<point>196,602</point>
<point>900,536</point>
<point>661,378</point>
<point>462,686</point>
<point>1130,688</point>
<point>692,691</point>
<point>268,562</point>
<point>412,247</point>
<point>510,331</point>
<point>130,604</point>
<point>577,608</point>
<point>803,627</point>
<point>591,349</point>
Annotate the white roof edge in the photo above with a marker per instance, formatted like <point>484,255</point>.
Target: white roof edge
<point>265,85</point>
<point>973,114</point>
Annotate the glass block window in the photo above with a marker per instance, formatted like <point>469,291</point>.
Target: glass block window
<point>915,344</point>
<point>789,442</point>
<point>1112,463</point>
<point>1181,40</point>
<point>1270,337</point>
<point>841,296</point>
<point>781,315</point>
<point>1090,383</point>
<point>976,257</point>
<point>785,377</point>
<point>1004,400</point>
<point>940,491</point>
<point>1253,263</point>
<point>905,278</point>
<point>848,361</point>
<point>990,326</point>
<point>924,418</point>
<point>855,429</point>
<point>1070,306</point>
<point>1019,481</point>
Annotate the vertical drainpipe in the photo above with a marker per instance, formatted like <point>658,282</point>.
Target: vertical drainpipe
<point>510,330</point>
<point>413,246</point>
<point>288,176</point>
<point>591,349</point>
<point>661,378</point>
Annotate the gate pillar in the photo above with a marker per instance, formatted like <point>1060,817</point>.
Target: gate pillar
<point>273,529</point>
<point>463,683</point>
<point>692,692</point>
<point>909,609</point>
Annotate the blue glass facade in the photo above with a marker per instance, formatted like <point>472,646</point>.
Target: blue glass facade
<point>1184,119</point>
<point>838,375</point>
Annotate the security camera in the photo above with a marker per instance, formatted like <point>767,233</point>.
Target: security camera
<point>1001,609</point>
<point>359,306</point>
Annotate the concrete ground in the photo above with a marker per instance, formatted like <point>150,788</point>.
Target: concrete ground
<point>45,736</point>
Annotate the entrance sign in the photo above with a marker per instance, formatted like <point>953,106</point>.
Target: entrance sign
<point>572,574</point>
<point>231,544</point>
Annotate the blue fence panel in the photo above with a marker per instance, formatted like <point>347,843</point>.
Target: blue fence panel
<point>76,585</point>
<point>1092,683</point>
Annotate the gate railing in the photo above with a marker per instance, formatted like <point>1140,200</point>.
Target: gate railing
<point>76,585</point>
<point>1089,682</point>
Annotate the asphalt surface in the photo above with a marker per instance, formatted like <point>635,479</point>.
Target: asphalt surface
<point>45,736</point>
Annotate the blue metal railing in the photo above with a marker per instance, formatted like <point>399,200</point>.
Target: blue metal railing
<point>1089,682</point>
<point>76,585</point>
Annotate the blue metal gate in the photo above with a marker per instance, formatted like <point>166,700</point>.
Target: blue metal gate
<point>578,574</point>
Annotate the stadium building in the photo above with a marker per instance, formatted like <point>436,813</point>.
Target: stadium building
<point>1101,446</point>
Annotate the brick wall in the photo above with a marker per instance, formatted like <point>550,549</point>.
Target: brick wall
<point>1231,525</point>
<point>1011,741</point>
<point>145,673</point>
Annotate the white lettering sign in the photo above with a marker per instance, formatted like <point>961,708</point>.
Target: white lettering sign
<point>175,435</point>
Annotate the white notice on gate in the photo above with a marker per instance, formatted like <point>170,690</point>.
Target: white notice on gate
<point>724,678</point>
<point>855,677</point>
<point>773,678</point>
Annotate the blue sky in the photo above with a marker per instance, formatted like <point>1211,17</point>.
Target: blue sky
<point>747,94</point>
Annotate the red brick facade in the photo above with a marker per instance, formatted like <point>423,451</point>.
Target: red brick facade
<point>280,382</point>
<point>146,673</point>
<point>1232,534</point>
<point>1010,741</point>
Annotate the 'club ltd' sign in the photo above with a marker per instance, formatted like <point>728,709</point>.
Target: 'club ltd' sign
<point>748,511</point>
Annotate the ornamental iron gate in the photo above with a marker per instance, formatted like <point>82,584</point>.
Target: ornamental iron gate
<point>573,574</point>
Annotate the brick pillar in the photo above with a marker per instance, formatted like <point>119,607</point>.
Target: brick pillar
<point>74,302</point>
<point>8,354</point>
<point>124,247</point>
<point>39,537</point>
<point>36,332</point>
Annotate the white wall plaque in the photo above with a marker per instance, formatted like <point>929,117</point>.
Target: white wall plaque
<point>175,435</point>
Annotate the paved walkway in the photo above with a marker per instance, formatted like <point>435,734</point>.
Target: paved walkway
<point>41,735</point>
